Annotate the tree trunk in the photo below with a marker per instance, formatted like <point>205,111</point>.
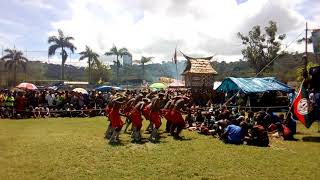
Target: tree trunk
<point>62,64</point>
<point>89,59</point>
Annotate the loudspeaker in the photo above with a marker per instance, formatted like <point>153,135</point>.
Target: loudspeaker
<point>315,78</point>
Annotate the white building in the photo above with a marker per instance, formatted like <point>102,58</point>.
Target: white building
<point>126,60</point>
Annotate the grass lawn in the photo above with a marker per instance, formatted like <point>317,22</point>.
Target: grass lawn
<point>74,148</point>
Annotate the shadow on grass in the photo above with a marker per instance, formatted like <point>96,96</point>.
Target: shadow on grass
<point>182,139</point>
<point>116,144</point>
<point>311,139</point>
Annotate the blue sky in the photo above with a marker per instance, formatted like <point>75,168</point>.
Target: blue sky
<point>150,28</point>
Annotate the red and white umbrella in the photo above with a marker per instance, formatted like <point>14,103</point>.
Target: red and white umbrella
<point>27,86</point>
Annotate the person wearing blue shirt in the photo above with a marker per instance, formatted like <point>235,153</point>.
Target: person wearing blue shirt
<point>233,134</point>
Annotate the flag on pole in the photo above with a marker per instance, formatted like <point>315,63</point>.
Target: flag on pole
<point>174,59</point>
<point>303,108</point>
<point>315,37</point>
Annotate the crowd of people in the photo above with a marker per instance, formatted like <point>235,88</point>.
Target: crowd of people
<point>48,103</point>
<point>179,110</point>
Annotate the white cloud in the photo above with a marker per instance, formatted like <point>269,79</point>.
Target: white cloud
<point>36,3</point>
<point>155,28</point>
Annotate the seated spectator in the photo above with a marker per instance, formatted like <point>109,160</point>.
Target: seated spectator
<point>199,117</point>
<point>259,135</point>
<point>232,134</point>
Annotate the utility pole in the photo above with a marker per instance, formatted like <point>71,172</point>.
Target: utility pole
<point>305,56</point>
<point>306,46</point>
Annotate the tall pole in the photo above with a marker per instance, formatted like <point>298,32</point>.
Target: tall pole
<point>306,46</point>
<point>305,57</point>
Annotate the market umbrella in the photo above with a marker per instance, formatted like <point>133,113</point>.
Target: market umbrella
<point>80,90</point>
<point>103,88</point>
<point>27,86</point>
<point>158,86</point>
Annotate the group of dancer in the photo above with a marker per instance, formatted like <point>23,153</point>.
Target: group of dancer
<point>151,106</point>
<point>230,125</point>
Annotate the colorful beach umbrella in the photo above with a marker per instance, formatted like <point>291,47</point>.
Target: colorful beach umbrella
<point>158,86</point>
<point>29,86</point>
<point>80,90</point>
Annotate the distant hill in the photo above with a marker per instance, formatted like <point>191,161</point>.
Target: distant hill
<point>283,69</point>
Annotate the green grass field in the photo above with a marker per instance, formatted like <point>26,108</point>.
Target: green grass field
<point>74,148</point>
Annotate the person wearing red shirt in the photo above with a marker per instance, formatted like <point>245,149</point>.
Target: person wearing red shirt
<point>20,105</point>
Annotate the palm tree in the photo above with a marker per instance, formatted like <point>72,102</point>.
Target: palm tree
<point>12,59</point>
<point>119,53</point>
<point>143,61</point>
<point>64,43</point>
<point>92,59</point>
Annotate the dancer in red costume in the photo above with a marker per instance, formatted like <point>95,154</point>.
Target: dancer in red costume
<point>136,118</point>
<point>155,117</point>
<point>178,122</point>
<point>109,130</point>
<point>128,108</point>
<point>116,122</point>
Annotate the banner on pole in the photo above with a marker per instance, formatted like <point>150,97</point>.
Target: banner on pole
<point>316,41</point>
<point>304,108</point>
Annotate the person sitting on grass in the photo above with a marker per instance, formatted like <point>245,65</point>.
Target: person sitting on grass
<point>189,118</point>
<point>259,135</point>
<point>232,134</point>
<point>199,118</point>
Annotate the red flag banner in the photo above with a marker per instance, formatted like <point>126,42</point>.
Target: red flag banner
<point>303,108</point>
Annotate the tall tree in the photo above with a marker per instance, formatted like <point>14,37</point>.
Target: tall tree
<point>14,58</point>
<point>143,61</point>
<point>118,53</point>
<point>92,59</point>
<point>100,73</point>
<point>61,42</point>
<point>261,48</point>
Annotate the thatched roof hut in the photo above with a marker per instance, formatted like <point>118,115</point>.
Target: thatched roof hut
<point>199,72</point>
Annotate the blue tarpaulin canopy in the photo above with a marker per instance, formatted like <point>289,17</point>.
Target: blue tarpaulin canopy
<point>253,85</point>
